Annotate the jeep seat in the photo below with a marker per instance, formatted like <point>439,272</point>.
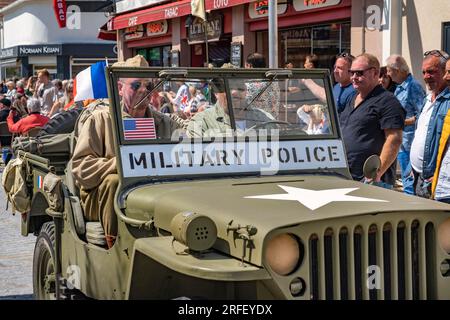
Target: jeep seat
<point>93,231</point>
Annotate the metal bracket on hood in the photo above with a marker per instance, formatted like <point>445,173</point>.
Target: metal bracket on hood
<point>245,233</point>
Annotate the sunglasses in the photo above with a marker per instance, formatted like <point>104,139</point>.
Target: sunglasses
<point>136,85</point>
<point>437,53</point>
<point>359,73</point>
<point>345,55</point>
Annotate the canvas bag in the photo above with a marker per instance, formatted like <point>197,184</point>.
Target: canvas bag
<point>15,186</point>
<point>43,146</point>
<point>53,190</point>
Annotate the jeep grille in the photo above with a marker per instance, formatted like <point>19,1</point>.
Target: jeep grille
<point>403,250</point>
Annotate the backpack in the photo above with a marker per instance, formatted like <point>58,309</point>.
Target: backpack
<point>15,186</point>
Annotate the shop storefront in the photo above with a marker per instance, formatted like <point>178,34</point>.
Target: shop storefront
<point>219,39</point>
<point>322,28</point>
<point>184,43</point>
<point>63,61</point>
<point>235,28</point>
<point>151,40</point>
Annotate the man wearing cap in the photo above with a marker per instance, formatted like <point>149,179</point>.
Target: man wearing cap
<point>94,160</point>
<point>33,120</point>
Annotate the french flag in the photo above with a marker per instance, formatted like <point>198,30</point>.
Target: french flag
<point>91,83</point>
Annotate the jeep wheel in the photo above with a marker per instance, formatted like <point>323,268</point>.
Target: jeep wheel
<point>44,284</point>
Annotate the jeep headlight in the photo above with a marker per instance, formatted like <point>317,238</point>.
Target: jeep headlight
<point>283,253</point>
<point>444,235</point>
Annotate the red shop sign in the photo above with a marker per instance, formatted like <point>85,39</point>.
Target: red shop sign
<point>60,8</point>
<point>157,28</point>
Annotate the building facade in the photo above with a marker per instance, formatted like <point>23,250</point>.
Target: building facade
<point>31,39</point>
<point>168,35</point>
<point>406,27</point>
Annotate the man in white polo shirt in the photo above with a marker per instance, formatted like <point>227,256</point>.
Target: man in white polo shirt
<point>424,148</point>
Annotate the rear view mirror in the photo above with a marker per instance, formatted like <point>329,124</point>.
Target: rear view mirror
<point>371,167</point>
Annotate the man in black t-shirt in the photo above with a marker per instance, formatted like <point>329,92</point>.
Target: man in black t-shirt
<point>372,122</point>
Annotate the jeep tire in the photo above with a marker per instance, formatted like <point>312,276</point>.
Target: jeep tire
<point>44,282</point>
<point>63,122</point>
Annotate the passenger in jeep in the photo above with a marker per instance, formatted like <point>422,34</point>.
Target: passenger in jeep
<point>94,158</point>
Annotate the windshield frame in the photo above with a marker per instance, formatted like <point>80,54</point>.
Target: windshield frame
<point>116,73</point>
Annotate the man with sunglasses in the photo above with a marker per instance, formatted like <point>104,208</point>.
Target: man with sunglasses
<point>94,160</point>
<point>371,122</point>
<point>425,145</point>
<point>343,90</point>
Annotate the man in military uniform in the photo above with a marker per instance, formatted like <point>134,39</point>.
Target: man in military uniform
<point>94,159</point>
<point>214,121</point>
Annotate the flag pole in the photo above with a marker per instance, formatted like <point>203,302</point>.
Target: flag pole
<point>205,24</point>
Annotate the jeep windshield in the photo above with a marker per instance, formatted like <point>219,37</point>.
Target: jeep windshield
<point>168,110</point>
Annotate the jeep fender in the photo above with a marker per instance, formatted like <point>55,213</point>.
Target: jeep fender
<point>152,254</point>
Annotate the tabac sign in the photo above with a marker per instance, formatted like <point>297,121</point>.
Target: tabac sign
<point>196,30</point>
<point>303,5</point>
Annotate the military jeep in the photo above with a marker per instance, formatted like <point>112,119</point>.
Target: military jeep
<point>250,198</point>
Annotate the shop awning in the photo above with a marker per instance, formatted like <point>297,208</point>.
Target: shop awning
<point>104,33</point>
<point>168,11</point>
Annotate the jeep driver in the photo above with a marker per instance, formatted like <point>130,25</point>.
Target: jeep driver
<point>94,159</point>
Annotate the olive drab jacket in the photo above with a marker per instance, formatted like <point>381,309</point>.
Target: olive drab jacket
<point>94,156</point>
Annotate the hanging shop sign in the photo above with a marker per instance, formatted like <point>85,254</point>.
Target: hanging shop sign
<point>196,30</point>
<point>157,28</point>
<point>260,9</point>
<point>60,9</point>
<point>135,32</point>
<point>303,5</point>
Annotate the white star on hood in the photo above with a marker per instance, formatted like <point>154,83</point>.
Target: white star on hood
<point>313,199</point>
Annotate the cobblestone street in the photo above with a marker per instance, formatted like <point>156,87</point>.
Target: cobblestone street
<point>16,256</point>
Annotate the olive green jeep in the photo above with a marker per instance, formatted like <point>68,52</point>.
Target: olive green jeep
<point>249,198</point>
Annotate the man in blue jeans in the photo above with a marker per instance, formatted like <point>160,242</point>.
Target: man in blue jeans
<point>410,94</point>
<point>425,145</point>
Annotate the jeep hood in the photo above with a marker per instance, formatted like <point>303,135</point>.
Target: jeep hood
<point>263,202</point>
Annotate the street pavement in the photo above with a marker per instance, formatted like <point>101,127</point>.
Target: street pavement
<point>16,256</point>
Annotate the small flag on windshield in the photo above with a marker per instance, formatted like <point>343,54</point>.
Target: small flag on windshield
<point>137,129</point>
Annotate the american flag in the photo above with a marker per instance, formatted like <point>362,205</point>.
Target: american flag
<point>142,128</point>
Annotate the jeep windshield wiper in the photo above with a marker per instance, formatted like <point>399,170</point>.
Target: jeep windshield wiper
<point>149,93</point>
<point>258,95</point>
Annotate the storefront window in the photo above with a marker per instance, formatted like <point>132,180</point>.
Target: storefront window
<point>156,57</point>
<point>326,41</point>
<point>11,72</point>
